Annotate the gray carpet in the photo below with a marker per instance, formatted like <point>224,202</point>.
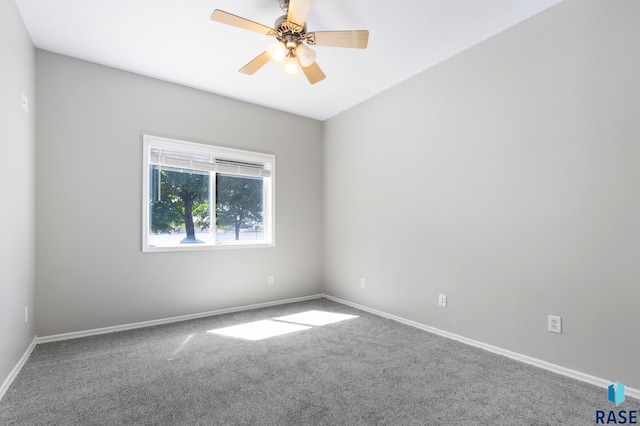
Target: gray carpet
<point>363,371</point>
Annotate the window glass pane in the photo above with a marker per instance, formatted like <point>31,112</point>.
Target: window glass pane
<point>239,208</point>
<point>179,206</point>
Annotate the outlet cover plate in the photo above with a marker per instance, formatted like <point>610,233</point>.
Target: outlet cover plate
<point>555,324</point>
<point>442,300</point>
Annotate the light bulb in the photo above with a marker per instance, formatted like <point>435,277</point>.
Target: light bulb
<point>276,53</point>
<point>306,55</point>
<point>290,65</point>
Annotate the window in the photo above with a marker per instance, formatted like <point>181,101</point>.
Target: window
<point>199,196</point>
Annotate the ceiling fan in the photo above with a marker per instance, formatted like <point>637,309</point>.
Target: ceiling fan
<point>291,32</point>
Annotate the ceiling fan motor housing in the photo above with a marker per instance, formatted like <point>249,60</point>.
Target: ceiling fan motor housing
<point>284,26</point>
<point>289,32</point>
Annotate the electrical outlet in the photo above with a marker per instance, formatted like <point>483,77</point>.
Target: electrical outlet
<point>362,283</point>
<point>25,103</point>
<point>555,324</point>
<point>26,314</point>
<point>270,280</point>
<point>442,300</point>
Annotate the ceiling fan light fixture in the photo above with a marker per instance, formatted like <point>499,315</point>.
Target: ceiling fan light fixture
<point>290,65</point>
<point>276,53</point>
<point>290,30</point>
<point>306,55</point>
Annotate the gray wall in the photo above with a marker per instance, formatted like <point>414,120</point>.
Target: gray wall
<point>90,269</point>
<point>17,176</point>
<point>507,178</point>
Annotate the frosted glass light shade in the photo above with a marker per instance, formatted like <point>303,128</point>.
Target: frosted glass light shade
<point>276,53</point>
<point>307,56</point>
<point>290,66</point>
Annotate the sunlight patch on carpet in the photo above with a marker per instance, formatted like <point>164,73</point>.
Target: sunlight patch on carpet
<point>316,318</point>
<point>259,330</point>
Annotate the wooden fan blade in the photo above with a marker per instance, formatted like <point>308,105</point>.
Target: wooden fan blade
<point>358,39</point>
<point>298,11</point>
<point>236,21</point>
<point>313,72</point>
<point>255,64</point>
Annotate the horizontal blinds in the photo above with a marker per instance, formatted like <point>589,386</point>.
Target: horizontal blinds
<point>185,160</point>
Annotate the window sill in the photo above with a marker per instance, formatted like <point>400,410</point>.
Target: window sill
<point>201,247</point>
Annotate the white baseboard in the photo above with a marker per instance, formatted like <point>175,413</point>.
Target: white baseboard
<point>17,368</point>
<point>634,393</point>
<point>124,327</point>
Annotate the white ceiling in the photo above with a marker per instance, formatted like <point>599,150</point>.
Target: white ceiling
<point>175,40</point>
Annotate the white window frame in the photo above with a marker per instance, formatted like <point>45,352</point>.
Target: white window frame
<point>267,161</point>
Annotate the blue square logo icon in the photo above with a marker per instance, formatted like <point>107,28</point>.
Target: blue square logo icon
<point>616,393</point>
